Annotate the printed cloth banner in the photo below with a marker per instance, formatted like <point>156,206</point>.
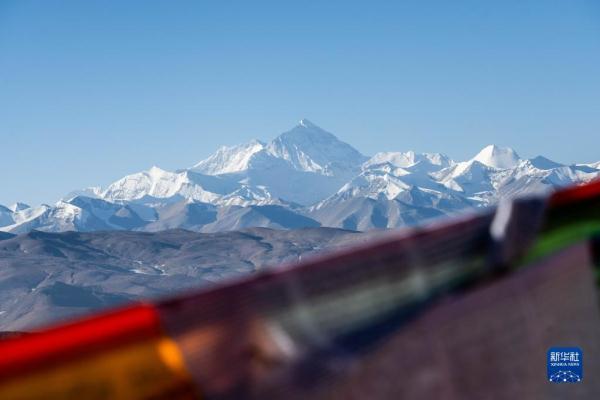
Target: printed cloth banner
<point>502,304</point>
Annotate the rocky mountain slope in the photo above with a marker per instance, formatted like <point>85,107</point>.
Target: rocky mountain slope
<point>48,276</point>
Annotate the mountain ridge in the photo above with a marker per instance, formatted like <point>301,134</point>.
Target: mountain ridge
<point>305,176</point>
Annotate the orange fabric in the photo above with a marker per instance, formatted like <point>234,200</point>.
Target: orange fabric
<point>60,344</point>
<point>147,369</point>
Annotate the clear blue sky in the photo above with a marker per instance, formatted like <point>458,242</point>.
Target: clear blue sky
<point>93,90</point>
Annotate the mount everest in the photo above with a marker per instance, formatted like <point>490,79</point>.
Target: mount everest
<point>305,177</point>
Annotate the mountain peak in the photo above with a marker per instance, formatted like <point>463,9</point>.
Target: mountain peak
<point>307,124</point>
<point>156,171</point>
<point>497,157</point>
<point>542,162</point>
<point>19,206</point>
<point>304,125</point>
<point>308,147</point>
<point>307,133</point>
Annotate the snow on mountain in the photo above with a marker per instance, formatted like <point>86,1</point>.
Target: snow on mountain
<point>485,183</point>
<point>106,215</point>
<point>305,177</point>
<point>291,185</point>
<point>15,213</point>
<point>385,195</point>
<point>544,163</point>
<point>373,184</point>
<point>94,192</point>
<point>408,159</point>
<point>158,184</point>
<point>365,213</point>
<point>229,159</point>
<point>266,216</point>
<point>39,218</point>
<point>155,182</point>
<point>6,216</point>
<point>28,214</point>
<point>481,178</point>
<point>19,207</point>
<point>592,166</point>
<point>255,173</point>
<point>497,157</point>
<point>309,148</point>
<point>305,156</point>
<point>79,214</point>
<point>306,147</point>
<point>468,177</point>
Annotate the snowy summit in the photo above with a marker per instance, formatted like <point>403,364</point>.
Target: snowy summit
<point>497,157</point>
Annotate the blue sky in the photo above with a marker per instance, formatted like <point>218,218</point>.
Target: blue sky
<point>91,91</point>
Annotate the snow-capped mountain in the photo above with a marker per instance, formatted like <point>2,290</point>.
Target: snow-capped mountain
<point>408,159</point>
<point>309,148</point>
<point>497,157</point>
<point>305,177</point>
<point>306,147</point>
<point>306,157</point>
